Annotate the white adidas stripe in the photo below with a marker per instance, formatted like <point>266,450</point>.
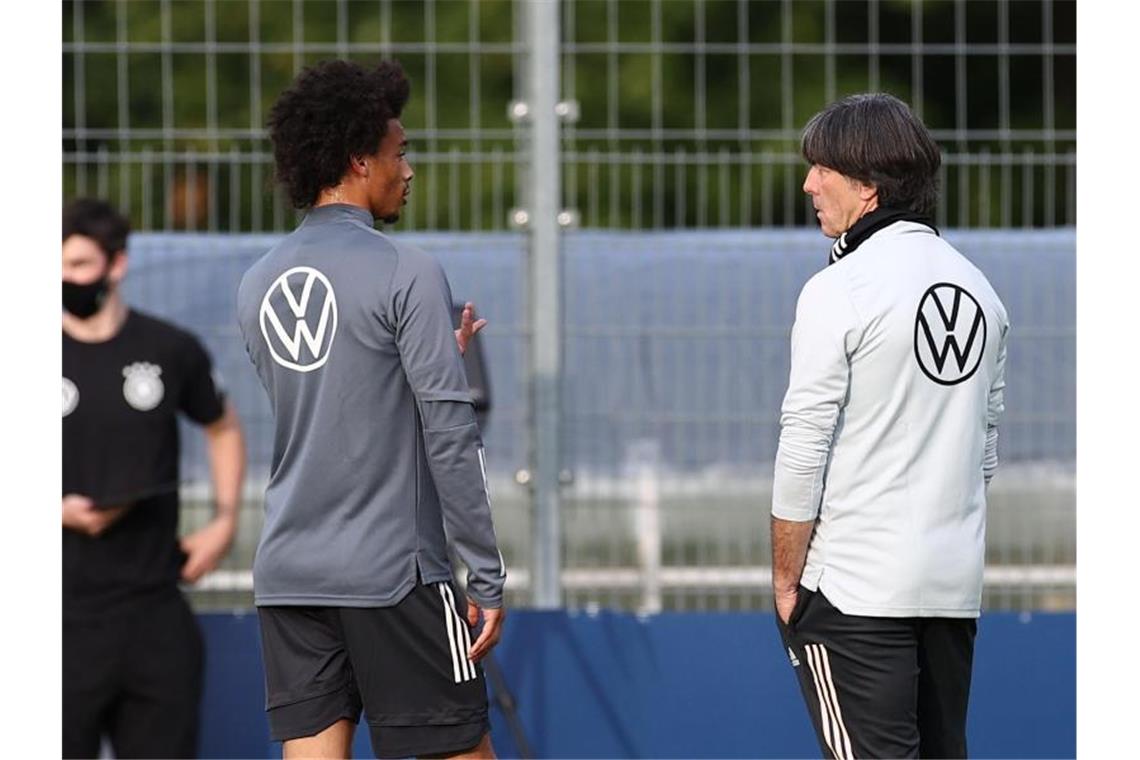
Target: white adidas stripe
<point>824,708</point>
<point>483,469</point>
<point>835,698</point>
<point>464,637</point>
<point>834,731</point>
<point>449,623</point>
<point>487,493</point>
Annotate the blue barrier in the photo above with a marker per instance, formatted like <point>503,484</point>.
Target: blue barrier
<point>678,685</point>
<point>690,327</point>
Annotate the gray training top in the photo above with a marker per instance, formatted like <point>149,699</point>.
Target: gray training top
<point>377,459</point>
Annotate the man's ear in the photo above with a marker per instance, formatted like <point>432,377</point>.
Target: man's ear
<point>359,165</point>
<point>867,192</point>
<point>118,269</point>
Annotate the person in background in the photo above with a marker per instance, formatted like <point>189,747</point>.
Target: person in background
<point>132,651</point>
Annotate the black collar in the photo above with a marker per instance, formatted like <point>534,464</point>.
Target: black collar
<point>870,223</point>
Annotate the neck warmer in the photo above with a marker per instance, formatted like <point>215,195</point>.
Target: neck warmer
<point>869,224</point>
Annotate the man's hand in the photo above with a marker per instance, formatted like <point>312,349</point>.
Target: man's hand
<point>492,628</point>
<point>206,547</point>
<point>81,515</point>
<point>786,604</point>
<point>468,326</point>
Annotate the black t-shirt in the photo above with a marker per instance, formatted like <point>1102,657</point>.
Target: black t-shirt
<point>121,400</point>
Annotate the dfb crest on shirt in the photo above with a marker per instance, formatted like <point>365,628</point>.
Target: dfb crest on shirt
<point>302,298</point>
<point>142,387</point>
<point>70,397</point>
<point>949,334</point>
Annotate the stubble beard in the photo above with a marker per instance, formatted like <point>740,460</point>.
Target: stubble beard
<point>394,217</point>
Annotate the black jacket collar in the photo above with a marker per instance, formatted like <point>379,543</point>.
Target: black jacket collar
<point>870,223</point>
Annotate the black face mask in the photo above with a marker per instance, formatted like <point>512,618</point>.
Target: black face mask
<point>84,301</point>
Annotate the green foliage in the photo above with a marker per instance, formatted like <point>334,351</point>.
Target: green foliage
<point>723,75</point>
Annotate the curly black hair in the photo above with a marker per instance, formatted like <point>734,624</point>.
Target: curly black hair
<point>98,220</point>
<point>334,111</point>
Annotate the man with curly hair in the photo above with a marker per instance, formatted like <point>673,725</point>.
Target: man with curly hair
<point>378,463</point>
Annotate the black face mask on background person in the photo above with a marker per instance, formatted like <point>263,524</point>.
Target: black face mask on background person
<point>84,301</point>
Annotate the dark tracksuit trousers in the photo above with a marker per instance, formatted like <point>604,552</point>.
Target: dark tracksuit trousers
<point>881,687</point>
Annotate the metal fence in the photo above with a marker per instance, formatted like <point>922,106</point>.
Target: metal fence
<point>629,451</point>
<point>677,113</point>
<point>676,358</point>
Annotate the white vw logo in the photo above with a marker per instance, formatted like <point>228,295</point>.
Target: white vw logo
<point>314,332</point>
<point>949,321</point>
<point>70,397</point>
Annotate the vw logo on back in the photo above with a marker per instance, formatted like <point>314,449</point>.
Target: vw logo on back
<point>949,334</point>
<point>298,319</point>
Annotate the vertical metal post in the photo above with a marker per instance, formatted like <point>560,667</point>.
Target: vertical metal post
<point>643,467</point>
<point>542,31</point>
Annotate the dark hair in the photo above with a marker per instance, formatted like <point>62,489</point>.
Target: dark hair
<point>99,221</point>
<point>875,139</point>
<point>334,111</point>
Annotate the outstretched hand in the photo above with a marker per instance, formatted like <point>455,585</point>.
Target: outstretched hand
<point>468,327</point>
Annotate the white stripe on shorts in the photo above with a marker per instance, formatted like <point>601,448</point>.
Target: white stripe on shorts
<point>448,623</point>
<point>462,637</point>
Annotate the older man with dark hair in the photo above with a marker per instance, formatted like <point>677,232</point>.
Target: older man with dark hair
<point>888,441</point>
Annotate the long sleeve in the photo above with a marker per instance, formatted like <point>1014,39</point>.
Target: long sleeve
<point>994,409</point>
<point>823,338</point>
<point>421,307</point>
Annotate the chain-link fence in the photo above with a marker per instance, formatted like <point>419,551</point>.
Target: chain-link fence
<point>679,113</point>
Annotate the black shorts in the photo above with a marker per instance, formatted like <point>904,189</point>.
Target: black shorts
<point>878,686</point>
<point>405,665</point>
<point>134,676</point>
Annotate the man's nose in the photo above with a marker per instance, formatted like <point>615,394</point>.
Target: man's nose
<point>809,182</point>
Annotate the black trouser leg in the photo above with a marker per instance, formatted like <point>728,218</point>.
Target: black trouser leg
<point>91,657</point>
<point>157,710</point>
<point>945,661</point>
<point>882,687</point>
<point>859,677</point>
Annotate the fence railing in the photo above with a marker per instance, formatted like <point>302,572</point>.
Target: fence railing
<point>686,112</point>
<point>678,122</point>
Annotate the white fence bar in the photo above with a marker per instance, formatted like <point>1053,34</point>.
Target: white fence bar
<point>685,578</point>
